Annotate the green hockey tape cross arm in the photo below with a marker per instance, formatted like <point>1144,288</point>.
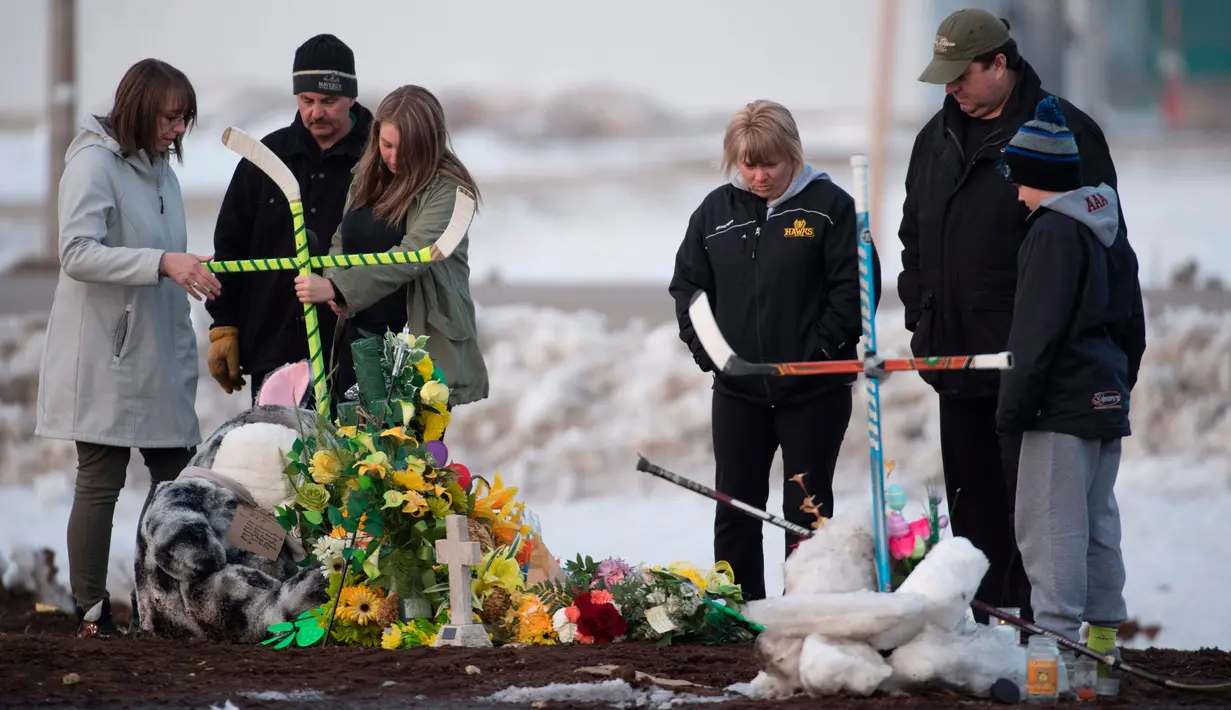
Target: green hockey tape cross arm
<point>287,264</point>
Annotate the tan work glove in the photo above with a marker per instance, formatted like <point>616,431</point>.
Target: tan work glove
<point>224,357</point>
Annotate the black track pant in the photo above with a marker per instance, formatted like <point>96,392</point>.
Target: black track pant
<point>981,484</point>
<point>746,436</point>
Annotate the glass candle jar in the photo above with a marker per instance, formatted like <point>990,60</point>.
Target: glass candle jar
<point>1042,670</point>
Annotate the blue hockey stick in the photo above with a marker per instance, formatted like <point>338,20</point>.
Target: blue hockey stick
<point>871,380</point>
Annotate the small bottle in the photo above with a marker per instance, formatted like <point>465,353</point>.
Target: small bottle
<point>1042,670</point>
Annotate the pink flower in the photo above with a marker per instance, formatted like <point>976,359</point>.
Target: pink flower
<point>902,547</point>
<point>922,528</point>
<point>611,571</point>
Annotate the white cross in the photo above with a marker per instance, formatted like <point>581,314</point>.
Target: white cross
<point>460,554</point>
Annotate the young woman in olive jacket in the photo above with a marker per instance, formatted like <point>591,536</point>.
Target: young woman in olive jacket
<point>402,199</point>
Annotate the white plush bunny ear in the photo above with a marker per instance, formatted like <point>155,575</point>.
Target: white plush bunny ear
<point>286,386</point>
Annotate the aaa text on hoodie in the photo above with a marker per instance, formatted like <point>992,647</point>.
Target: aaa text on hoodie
<point>1078,332</point>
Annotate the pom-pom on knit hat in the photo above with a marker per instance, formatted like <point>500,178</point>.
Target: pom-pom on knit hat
<point>1043,154</point>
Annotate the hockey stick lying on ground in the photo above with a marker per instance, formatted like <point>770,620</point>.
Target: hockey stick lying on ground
<point>644,465</point>
<point>1087,651</point>
<point>247,146</point>
<point>729,363</point>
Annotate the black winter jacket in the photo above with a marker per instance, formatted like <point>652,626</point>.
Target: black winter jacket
<point>1078,325</point>
<point>255,221</point>
<point>962,226</point>
<point>783,282</point>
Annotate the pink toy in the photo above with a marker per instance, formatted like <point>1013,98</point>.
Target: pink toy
<point>286,386</point>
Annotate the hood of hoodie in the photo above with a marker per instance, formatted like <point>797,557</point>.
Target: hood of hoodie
<point>94,133</point>
<point>805,176</point>
<point>1095,207</point>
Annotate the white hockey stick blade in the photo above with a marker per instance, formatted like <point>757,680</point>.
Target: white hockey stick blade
<point>261,156</point>
<point>708,333</point>
<point>993,361</point>
<point>459,223</point>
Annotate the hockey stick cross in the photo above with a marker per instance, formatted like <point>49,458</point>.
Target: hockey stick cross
<point>873,366</point>
<point>263,158</point>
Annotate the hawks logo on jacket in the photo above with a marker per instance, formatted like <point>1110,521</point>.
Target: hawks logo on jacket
<point>192,582</point>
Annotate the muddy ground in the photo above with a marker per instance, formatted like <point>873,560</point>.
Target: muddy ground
<point>38,653</point>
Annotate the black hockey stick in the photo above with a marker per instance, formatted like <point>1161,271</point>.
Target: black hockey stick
<point>644,465</point>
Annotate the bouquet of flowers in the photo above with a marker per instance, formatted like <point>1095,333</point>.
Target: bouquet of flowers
<point>909,541</point>
<point>611,601</point>
<point>371,497</point>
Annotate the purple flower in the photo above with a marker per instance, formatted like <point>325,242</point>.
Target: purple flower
<point>612,570</point>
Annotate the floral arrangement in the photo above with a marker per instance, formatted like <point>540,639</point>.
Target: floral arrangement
<point>371,497</point>
<point>909,541</point>
<point>611,601</point>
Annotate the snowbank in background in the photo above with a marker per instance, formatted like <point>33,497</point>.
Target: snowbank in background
<point>573,402</point>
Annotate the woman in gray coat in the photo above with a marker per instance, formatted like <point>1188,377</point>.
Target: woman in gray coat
<point>119,367</point>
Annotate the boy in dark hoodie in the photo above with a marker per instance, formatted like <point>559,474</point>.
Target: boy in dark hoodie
<point>1077,339</point>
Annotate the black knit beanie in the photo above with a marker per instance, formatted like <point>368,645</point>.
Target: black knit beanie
<point>325,65</point>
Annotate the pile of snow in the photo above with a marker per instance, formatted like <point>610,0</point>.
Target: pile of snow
<point>825,635</point>
<point>614,693</point>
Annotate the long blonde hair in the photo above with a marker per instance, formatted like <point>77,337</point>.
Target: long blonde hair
<point>424,154</point>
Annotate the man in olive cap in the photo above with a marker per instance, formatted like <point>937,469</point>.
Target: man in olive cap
<point>960,232</point>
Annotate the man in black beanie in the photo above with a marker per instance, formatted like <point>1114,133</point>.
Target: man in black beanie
<point>258,325</point>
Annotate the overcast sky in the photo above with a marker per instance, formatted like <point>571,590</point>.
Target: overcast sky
<point>695,54</point>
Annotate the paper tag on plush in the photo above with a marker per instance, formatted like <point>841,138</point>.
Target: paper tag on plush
<point>659,620</point>
<point>256,531</point>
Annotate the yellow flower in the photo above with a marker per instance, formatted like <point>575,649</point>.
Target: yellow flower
<point>434,423</point>
<point>393,499</point>
<point>375,463</point>
<point>433,392</point>
<point>392,638</point>
<point>691,575</point>
<point>719,575</point>
<point>324,467</point>
<point>416,504</point>
<point>411,480</point>
<point>347,432</point>
<point>490,498</point>
<point>534,625</point>
<point>398,433</point>
<point>502,572</point>
<point>359,605</point>
<point>365,439</point>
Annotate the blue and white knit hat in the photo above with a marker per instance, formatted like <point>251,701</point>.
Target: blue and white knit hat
<point>1043,154</point>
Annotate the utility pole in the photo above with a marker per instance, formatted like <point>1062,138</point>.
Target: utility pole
<point>882,111</point>
<point>61,112</point>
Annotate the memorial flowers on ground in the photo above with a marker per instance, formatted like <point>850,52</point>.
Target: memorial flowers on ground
<point>372,492</point>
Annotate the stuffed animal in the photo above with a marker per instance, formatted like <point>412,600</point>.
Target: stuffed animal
<point>196,576</point>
